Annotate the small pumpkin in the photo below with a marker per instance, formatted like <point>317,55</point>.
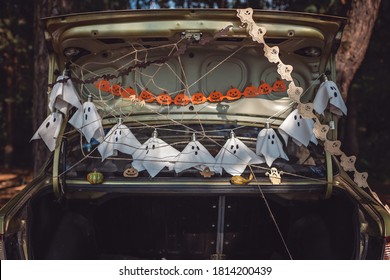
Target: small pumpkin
<point>147,96</point>
<point>130,172</point>
<point>250,91</point>
<point>128,92</point>
<point>103,85</point>
<point>216,96</point>
<point>264,88</point>
<point>198,98</point>
<point>181,99</point>
<point>116,89</point>
<point>233,94</point>
<point>279,86</point>
<point>95,177</point>
<point>164,99</point>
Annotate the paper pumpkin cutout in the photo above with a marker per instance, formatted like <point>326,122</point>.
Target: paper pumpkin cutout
<point>329,93</point>
<point>48,131</point>
<point>119,138</point>
<point>279,86</point>
<point>285,71</point>
<point>164,99</point>
<point>348,163</point>
<point>63,95</point>
<point>198,98</point>
<point>128,92</point>
<point>216,96</point>
<point>298,128</point>
<point>264,88</point>
<point>320,130</point>
<point>130,172</point>
<point>194,155</point>
<point>116,90</point>
<point>250,91</point>
<point>147,96</point>
<point>234,156</point>
<point>269,146</point>
<point>294,92</point>
<point>88,122</point>
<point>181,99</point>
<point>103,85</point>
<point>272,53</point>
<point>233,94</point>
<point>154,155</point>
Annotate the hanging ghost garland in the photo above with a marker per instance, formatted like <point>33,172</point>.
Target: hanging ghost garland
<point>119,138</point>
<point>154,155</point>
<point>298,128</point>
<point>88,121</point>
<point>63,95</point>
<point>269,146</point>
<point>234,156</point>
<point>194,155</point>
<point>328,92</point>
<point>49,130</point>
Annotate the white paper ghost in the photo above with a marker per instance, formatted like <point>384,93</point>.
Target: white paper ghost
<point>257,33</point>
<point>272,53</point>
<point>154,155</point>
<point>285,71</point>
<point>269,146</point>
<point>119,138</point>
<point>329,93</point>
<point>234,156</point>
<point>88,122</point>
<point>245,15</point>
<point>194,155</point>
<point>49,130</point>
<point>63,95</point>
<point>298,128</point>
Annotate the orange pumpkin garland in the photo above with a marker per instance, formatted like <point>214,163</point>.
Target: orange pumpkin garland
<point>181,99</point>
<point>250,91</point>
<point>128,92</point>
<point>103,85</point>
<point>216,96</point>
<point>264,88</point>
<point>233,94</point>
<point>198,98</point>
<point>147,96</point>
<point>279,86</point>
<point>164,99</point>
<point>116,89</point>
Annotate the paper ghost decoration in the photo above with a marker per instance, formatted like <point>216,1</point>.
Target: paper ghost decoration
<point>119,138</point>
<point>294,92</point>
<point>298,128</point>
<point>234,156</point>
<point>269,146</point>
<point>154,155</point>
<point>285,71</point>
<point>63,95</point>
<point>329,93</point>
<point>194,155</point>
<point>272,53</point>
<point>257,33</point>
<point>49,130</point>
<point>245,15</point>
<point>88,121</point>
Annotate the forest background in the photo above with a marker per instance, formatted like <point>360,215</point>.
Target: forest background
<point>365,132</point>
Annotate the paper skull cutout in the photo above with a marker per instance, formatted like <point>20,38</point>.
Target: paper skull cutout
<point>119,138</point>
<point>49,130</point>
<point>329,93</point>
<point>194,155</point>
<point>88,122</point>
<point>234,156</point>
<point>298,128</point>
<point>154,155</point>
<point>63,95</point>
<point>269,146</point>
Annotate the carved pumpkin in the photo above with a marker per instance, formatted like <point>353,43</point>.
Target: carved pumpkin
<point>198,98</point>
<point>127,92</point>
<point>279,86</point>
<point>216,96</point>
<point>95,177</point>
<point>103,85</point>
<point>147,96</point>
<point>264,88</point>
<point>116,90</point>
<point>233,94</point>
<point>181,99</point>
<point>250,91</point>
<point>130,172</point>
<point>164,99</point>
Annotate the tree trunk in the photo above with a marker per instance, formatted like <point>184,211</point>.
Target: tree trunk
<point>357,33</point>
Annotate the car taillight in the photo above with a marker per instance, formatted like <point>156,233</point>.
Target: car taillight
<point>386,253</point>
<point>2,248</point>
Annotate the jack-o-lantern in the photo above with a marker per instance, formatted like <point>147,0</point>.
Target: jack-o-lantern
<point>198,98</point>
<point>164,99</point>
<point>128,92</point>
<point>233,94</point>
<point>250,91</point>
<point>130,172</point>
<point>116,90</point>
<point>264,88</point>
<point>279,86</point>
<point>181,99</point>
<point>95,177</point>
<point>216,96</point>
<point>103,85</point>
<point>147,96</point>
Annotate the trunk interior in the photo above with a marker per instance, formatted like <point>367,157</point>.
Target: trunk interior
<point>192,227</point>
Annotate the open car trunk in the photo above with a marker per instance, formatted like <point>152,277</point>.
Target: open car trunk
<point>193,227</point>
